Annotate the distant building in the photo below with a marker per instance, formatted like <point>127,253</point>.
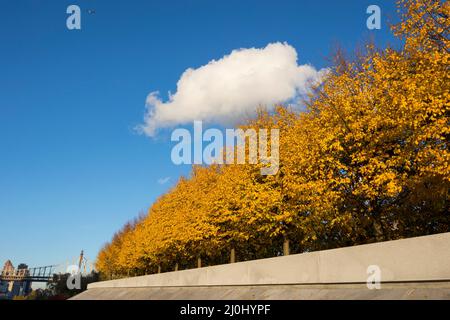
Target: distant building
<point>11,288</point>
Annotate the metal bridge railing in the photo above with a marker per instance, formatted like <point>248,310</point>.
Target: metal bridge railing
<point>32,274</point>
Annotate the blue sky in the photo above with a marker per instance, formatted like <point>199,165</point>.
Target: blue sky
<point>72,168</point>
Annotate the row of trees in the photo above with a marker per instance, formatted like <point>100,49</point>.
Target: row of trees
<point>368,161</point>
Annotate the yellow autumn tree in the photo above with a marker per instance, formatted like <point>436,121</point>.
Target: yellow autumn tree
<point>367,161</point>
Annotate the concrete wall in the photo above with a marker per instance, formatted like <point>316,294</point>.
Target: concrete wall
<point>415,259</point>
<point>403,291</point>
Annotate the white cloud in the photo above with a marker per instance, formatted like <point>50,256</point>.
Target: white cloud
<point>163,180</point>
<point>225,90</point>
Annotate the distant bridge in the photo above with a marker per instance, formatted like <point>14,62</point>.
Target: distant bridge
<point>38,274</point>
<point>45,273</point>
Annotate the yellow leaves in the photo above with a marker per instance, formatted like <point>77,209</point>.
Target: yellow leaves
<point>392,189</point>
<point>424,25</point>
